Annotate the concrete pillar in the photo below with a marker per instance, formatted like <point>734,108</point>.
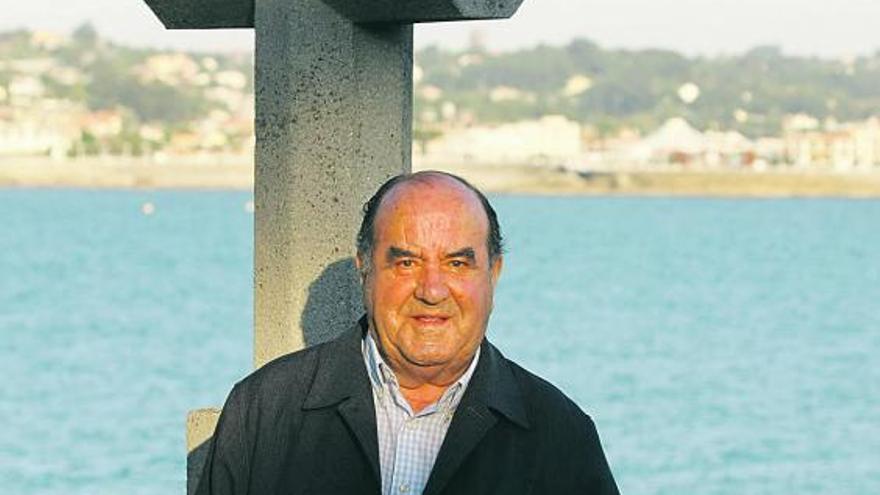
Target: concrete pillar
<point>334,105</point>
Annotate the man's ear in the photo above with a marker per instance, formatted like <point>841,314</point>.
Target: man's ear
<point>496,269</point>
<point>360,267</point>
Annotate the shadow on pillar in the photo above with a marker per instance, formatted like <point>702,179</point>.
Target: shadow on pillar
<point>334,303</point>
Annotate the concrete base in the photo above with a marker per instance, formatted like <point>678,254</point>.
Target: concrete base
<point>200,425</point>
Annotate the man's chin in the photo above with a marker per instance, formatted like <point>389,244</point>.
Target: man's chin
<point>427,361</point>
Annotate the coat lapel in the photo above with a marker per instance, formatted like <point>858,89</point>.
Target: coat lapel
<point>360,417</point>
<point>492,388</point>
<point>341,381</point>
<point>469,426</point>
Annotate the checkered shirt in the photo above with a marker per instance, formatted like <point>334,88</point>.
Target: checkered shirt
<point>408,442</point>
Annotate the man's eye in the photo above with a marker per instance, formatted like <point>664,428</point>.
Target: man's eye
<point>457,264</point>
<point>405,263</point>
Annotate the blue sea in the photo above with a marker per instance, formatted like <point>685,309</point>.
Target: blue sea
<point>722,346</point>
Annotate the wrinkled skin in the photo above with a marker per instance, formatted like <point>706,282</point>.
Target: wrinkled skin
<point>429,288</point>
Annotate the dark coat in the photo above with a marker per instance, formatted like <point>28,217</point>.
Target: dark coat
<point>305,423</point>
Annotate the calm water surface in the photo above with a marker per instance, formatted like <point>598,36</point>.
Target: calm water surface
<point>723,347</point>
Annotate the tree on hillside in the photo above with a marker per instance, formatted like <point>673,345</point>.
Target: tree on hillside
<point>85,35</point>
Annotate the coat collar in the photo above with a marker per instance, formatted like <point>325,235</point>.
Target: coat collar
<point>341,373</point>
<point>492,388</point>
<point>341,380</point>
<point>495,386</point>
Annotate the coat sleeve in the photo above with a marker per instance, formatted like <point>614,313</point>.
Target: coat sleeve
<point>597,478</point>
<point>226,467</point>
<point>570,457</point>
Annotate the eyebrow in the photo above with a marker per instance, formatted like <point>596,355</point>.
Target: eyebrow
<point>464,253</point>
<point>395,252</point>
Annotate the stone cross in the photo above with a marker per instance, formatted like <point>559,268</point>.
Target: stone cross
<point>333,121</point>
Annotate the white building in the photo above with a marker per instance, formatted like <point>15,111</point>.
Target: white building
<point>839,146</point>
<point>677,142</point>
<point>28,138</point>
<point>675,138</point>
<point>550,140</point>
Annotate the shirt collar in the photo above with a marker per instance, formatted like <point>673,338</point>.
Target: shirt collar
<point>383,377</point>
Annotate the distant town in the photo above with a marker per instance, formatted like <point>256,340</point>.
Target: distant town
<point>68,98</point>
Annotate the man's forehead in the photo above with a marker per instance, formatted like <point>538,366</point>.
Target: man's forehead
<point>432,193</point>
<point>435,205</point>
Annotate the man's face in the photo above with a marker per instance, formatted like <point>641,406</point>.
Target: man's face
<point>429,290</point>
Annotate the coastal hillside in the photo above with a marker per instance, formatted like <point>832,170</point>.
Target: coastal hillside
<point>605,89</point>
<point>750,93</point>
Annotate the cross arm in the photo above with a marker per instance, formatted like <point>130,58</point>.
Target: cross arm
<point>414,11</point>
<point>208,14</point>
<point>204,14</point>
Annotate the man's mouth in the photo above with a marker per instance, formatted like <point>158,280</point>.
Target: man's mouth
<point>430,319</point>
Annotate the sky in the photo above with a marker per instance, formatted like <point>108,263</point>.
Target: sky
<point>693,27</point>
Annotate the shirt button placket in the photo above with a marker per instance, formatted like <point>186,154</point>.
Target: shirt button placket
<point>403,472</point>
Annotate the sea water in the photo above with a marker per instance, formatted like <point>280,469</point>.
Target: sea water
<point>721,346</point>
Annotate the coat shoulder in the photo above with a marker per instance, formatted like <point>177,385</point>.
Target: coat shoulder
<point>294,370</point>
<point>565,438</point>
<point>284,381</point>
<point>545,400</point>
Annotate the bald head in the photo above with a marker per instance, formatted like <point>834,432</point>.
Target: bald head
<point>434,180</point>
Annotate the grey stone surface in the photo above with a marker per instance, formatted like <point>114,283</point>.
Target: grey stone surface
<point>200,426</point>
<point>204,14</point>
<point>415,11</point>
<point>334,106</point>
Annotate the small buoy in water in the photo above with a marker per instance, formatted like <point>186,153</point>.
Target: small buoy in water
<point>148,208</point>
<point>249,207</point>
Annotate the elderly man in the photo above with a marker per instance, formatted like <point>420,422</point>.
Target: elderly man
<point>414,399</point>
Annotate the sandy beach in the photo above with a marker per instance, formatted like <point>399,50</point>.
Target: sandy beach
<point>674,182</point>
<point>237,173</point>
<point>115,173</point>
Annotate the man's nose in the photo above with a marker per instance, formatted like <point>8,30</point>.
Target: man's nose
<point>432,287</point>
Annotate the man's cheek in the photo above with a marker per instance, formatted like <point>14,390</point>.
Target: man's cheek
<point>469,296</point>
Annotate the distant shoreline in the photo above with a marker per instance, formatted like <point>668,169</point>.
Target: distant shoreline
<point>223,172</point>
<point>236,173</point>
<point>673,183</point>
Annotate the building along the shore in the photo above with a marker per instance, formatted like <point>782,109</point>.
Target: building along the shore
<point>852,145</point>
<point>550,141</point>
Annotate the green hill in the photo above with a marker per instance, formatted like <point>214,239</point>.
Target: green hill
<point>640,88</point>
<point>607,89</point>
